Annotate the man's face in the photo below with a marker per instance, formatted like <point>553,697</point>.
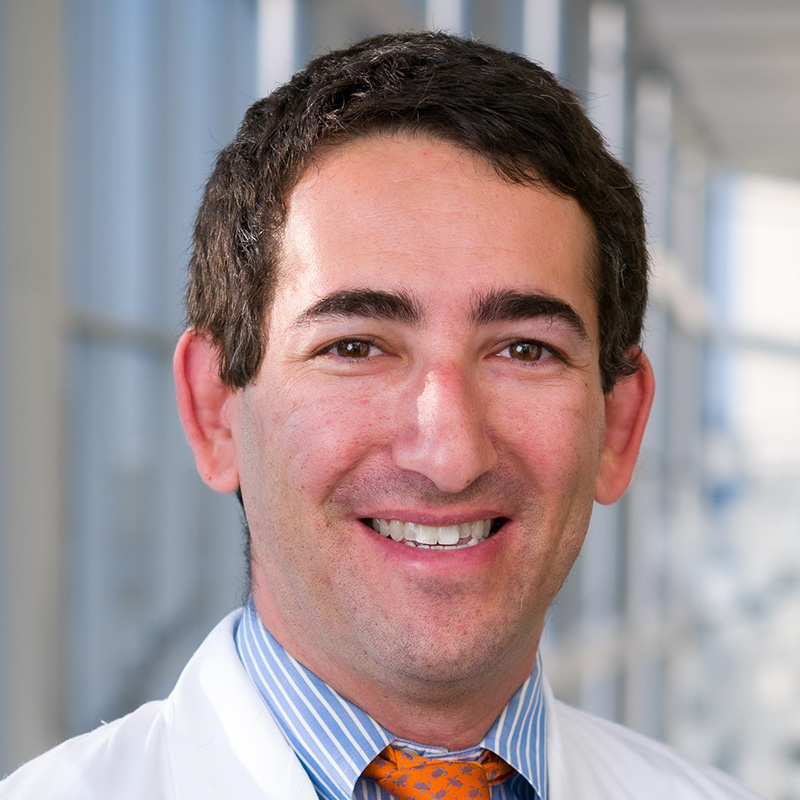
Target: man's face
<point>431,371</point>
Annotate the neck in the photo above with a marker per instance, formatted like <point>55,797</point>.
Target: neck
<point>455,712</point>
<point>455,724</point>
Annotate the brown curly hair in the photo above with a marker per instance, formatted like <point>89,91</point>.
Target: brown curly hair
<point>496,104</point>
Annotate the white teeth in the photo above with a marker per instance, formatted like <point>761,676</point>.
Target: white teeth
<point>449,534</point>
<point>424,534</point>
<point>465,534</point>
<point>396,530</point>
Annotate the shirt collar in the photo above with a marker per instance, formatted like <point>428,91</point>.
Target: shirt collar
<point>335,740</point>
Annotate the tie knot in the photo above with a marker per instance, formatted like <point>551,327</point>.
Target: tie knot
<point>407,776</point>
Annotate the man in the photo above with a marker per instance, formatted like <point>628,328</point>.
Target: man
<point>415,304</point>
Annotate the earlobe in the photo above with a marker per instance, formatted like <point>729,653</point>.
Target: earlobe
<point>627,409</point>
<point>209,411</point>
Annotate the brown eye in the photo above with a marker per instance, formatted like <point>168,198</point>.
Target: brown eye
<point>354,348</point>
<point>525,351</point>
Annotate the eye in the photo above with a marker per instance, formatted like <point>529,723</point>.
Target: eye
<point>353,348</point>
<point>526,351</point>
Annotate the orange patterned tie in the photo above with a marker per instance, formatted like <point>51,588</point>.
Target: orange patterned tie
<point>407,776</point>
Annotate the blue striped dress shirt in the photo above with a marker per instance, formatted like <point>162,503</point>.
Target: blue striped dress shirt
<point>335,740</point>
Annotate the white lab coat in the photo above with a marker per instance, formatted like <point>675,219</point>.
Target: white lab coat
<point>214,738</point>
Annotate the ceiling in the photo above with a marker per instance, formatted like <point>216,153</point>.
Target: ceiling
<point>737,63</point>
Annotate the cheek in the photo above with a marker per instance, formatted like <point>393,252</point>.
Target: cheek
<point>558,434</point>
<point>315,438</point>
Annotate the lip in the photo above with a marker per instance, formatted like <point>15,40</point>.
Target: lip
<point>421,556</point>
<point>446,567</point>
<point>435,518</point>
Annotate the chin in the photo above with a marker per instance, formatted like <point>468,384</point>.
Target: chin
<point>438,663</point>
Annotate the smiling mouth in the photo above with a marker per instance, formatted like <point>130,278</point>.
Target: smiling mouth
<point>437,537</point>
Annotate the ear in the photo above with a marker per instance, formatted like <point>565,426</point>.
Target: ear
<point>209,411</point>
<point>627,409</point>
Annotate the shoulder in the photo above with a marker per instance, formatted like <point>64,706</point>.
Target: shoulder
<point>597,758</point>
<point>212,737</point>
<point>131,757</point>
<point>122,759</point>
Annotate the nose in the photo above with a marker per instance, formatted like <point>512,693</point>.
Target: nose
<point>446,437</point>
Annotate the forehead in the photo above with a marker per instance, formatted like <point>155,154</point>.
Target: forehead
<point>421,215</point>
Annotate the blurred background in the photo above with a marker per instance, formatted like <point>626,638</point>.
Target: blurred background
<point>682,617</point>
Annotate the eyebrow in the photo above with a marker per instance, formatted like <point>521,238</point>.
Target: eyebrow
<point>508,306</point>
<point>395,306</point>
<point>493,306</point>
